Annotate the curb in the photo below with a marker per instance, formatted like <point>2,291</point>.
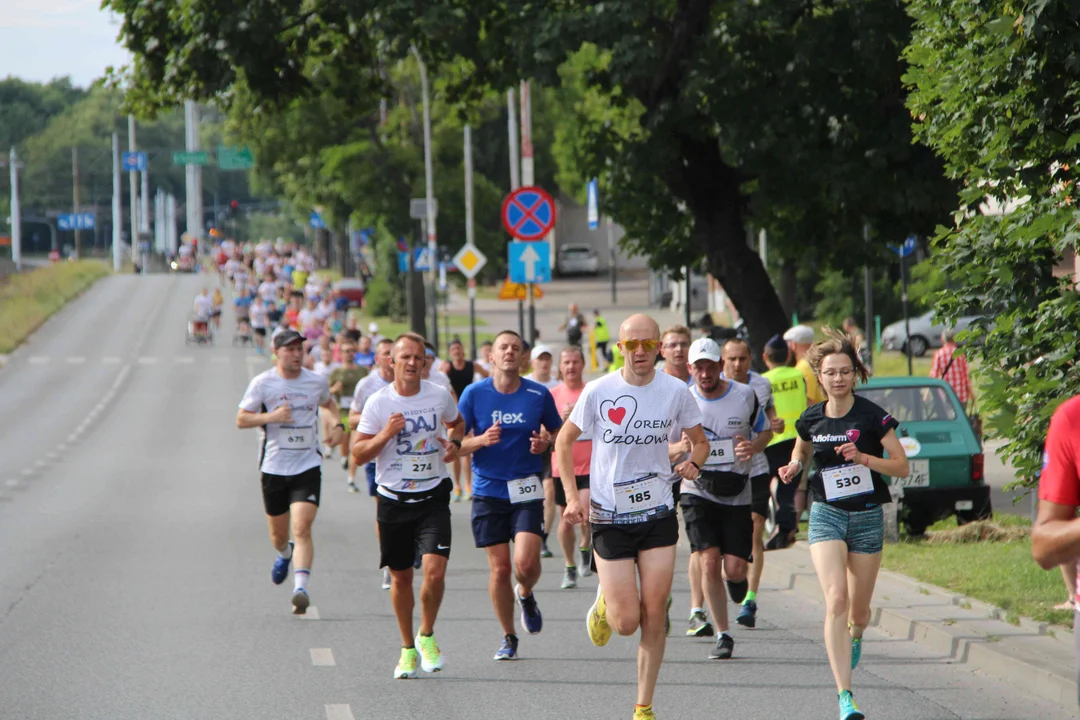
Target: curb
<point>1028,655</point>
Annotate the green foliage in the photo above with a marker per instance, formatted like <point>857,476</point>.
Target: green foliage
<point>388,285</point>
<point>994,92</point>
<point>26,107</point>
<point>378,298</point>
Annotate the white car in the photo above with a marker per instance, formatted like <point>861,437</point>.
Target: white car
<point>925,333</point>
<point>577,260</point>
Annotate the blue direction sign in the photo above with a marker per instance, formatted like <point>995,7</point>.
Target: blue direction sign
<point>316,221</point>
<point>528,213</point>
<point>75,221</point>
<point>530,262</point>
<point>421,260</point>
<point>594,204</point>
<point>133,161</point>
<point>905,250</point>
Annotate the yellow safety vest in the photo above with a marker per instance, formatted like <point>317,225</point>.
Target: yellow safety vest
<point>789,398</point>
<point>601,329</point>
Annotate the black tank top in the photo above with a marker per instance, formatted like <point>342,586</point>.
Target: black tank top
<point>461,379</point>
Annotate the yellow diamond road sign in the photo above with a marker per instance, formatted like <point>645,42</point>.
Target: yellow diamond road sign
<point>469,260</point>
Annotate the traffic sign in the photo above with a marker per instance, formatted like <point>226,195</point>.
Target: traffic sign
<point>232,158</point>
<point>905,250</point>
<point>469,260</point>
<point>594,204</point>
<point>133,161</point>
<point>421,260</point>
<point>530,262</point>
<point>75,221</point>
<point>316,221</point>
<point>528,214</point>
<point>199,157</point>
<point>517,291</point>
<point>418,208</point>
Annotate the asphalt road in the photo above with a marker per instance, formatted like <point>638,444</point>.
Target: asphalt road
<point>134,582</point>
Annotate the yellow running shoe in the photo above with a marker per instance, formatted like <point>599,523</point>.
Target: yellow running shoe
<point>430,657</point>
<point>599,630</point>
<point>406,667</point>
<point>644,713</point>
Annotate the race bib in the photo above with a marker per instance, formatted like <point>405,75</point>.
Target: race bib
<point>418,467</point>
<point>721,452</point>
<point>640,496</point>
<point>525,489</point>
<point>292,437</point>
<point>846,481</point>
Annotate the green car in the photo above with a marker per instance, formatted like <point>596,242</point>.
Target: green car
<point>945,455</point>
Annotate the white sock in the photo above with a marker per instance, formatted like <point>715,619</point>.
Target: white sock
<point>300,575</point>
<point>725,633</point>
<point>286,553</point>
<point>696,610</point>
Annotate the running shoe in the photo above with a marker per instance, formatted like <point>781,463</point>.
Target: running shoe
<point>700,625</point>
<point>352,487</point>
<point>544,552</point>
<point>725,644</point>
<point>569,579</point>
<point>280,571</point>
<point>345,463</point>
<point>599,630</point>
<point>644,714</point>
<point>586,562</point>
<point>531,619</point>
<point>457,496</point>
<point>406,666</point>
<point>300,601</point>
<point>508,649</point>
<point>430,657</point>
<point>848,709</point>
<point>748,615</point>
<point>667,617</point>
<point>468,496</point>
<point>856,652</point>
<point>386,578</point>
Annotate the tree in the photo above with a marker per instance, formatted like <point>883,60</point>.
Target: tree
<point>994,93</point>
<point>700,116</point>
<point>26,107</point>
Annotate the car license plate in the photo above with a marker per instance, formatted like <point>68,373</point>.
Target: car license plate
<point>919,477</point>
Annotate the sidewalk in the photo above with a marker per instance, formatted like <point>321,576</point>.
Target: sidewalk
<point>1029,656</point>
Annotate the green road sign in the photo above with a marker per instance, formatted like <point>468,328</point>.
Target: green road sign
<point>191,158</point>
<point>230,158</point>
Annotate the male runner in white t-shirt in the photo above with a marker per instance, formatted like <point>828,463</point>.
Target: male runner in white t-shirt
<point>630,415</point>
<point>400,430</point>
<point>283,402</point>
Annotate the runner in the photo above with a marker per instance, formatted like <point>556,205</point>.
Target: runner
<point>506,413</point>
<point>789,395</point>
<point>630,415</point>
<point>433,374</point>
<point>258,316</point>
<point>847,435</point>
<point>400,429</point>
<point>717,506</point>
<point>566,394</point>
<point>461,373</point>
<point>343,381</point>
<point>574,325</point>
<point>283,402</point>
<point>541,359</point>
<point>736,355</point>
<point>602,336</point>
<point>799,339</point>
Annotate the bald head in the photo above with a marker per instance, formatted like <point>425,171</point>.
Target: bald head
<point>639,327</point>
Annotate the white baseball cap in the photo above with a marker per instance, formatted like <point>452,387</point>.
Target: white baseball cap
<point>704,349</point>
<point>801,334</point>
<point>539,350</point>
<point>373,328</point>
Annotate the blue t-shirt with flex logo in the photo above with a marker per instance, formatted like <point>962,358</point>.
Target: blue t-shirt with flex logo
<point>519,414</point>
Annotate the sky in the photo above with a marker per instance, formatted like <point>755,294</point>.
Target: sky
<point>44,39</point>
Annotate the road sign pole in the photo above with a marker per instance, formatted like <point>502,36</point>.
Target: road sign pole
<point>75,199</point>
<point>611,250</point>
<point>907,319</point>
<point>527,179</point>
<point>868,292</point>
<point>430,185</point>
<point>116,202</point>
<point>133,197</point>
<point>469,235</point>
<point>16,213</point>
<point>472,317</point>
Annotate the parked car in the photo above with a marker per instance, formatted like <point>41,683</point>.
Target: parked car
<point>352,289</point>
<point>925,333</point>
<point>946,459</point>
<point>573,259</point>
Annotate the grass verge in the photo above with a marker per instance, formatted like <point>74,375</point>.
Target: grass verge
<point>28,299</point>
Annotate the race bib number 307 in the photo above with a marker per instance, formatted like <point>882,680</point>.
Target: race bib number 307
<point>846,481</point>
<point>525,489</point>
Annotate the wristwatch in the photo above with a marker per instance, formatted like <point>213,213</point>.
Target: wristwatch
<point>456,442</point>
<point>343,428</point>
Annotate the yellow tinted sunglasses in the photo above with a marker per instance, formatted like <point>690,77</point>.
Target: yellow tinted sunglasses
<point>633,345</point>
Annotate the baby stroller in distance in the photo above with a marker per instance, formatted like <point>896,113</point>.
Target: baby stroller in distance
<point>199,331</point>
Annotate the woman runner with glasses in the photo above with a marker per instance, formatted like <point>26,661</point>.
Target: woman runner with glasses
<point>848,436</point>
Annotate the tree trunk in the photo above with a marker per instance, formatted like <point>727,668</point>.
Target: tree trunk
<point>342,237</point>
<point>710,189</point>
<point>789,289</point>
<point>322,243</point>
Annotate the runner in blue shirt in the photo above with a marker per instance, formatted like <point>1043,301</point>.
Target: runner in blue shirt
<point>512,420</point>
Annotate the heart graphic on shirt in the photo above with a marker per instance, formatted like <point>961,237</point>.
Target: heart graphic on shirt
<point>852,435</point>
<point>620,411</point>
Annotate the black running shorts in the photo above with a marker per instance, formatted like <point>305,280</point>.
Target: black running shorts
<point>712,525</point>
<point>281,491</point>
<point>419,523</point>
<point>760,494</point>
<point>621,542</point>
<point>582,482</point>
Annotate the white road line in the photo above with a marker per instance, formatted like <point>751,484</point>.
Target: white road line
<point>339,712</point>
<point>184,360</point>
<point>322,657</point>
<point>77,360</point>
<point>73,437</point>
<point>27,472</point>
<point>311,614</point>
<point>52,455</point>
<point>38,360</point>
<point>112,360</point>
<point>12,483</point>
<point>148,360</point>
<point>40,464</point>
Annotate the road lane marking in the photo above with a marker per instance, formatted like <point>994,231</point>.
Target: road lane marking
<point>311,614</point>
<point>40,464</point>
<point>12,483</point>
<point>53,455</point>
<point>148,361</point>
<point>38,360</point>
<point>28,472</point>
<point>322,657</point>
<point>339,712</point>
<point>77,360</point>
<point>184,360</point>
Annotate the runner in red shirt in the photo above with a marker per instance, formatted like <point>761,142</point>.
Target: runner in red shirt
<point>1055,538</point>
<point>566,394</point>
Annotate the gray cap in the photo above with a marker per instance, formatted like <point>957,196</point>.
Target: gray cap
<point>800,334</point>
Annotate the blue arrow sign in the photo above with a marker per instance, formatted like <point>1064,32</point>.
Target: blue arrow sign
<point>905,250</point>
<point>75,221</point>
<point>421,260</point>
<point>316,221</point>
<point>133,161</point>
<point>594,204</point>
<point>530,262</point>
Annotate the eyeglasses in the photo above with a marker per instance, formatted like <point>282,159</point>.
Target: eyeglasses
<point>633,345</point>
<point>845,373</point>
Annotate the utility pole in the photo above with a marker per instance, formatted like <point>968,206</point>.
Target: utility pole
<point>469,235</point>
<point>133,201</point>
<point>433,258</point>
<point>116,222</point>
<point>527,180</point>
<point>193,199</point>
<point>75,200</point>
<point>515,178</point>
<point>16,214</point>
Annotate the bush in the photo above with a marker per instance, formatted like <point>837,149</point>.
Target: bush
<point>28,299</point>
<point>379,297</point>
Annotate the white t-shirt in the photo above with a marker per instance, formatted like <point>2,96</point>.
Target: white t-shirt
<point>268,291</point>
<point>630,426</point>
<point>438,377</point>
<point>324,310</point>
<point>413,461</point>
<point>257,315</point>
<point>735,413</point>
<point>546,383</point>
<point>324,369</point>
<point>306,318</point>
<point>288,449</point>
<point>240,278</point>
<point>204,306</point>
<point>370,384</point>
<point>763,389</point>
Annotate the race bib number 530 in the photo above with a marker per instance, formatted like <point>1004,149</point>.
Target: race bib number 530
<point>846,481</point>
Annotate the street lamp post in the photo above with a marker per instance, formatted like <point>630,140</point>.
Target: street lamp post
<point>430,195</point>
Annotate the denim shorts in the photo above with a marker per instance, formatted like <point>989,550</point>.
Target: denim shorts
<point>862,530</point>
